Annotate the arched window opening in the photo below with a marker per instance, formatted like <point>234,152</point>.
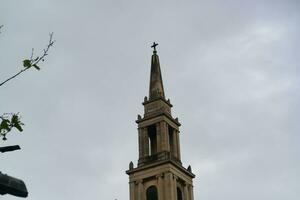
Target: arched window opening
<point>152,140</point>
<point>151,193</point>
<point>179,194</point>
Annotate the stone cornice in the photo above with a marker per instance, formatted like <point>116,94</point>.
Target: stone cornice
<point>159,98</point>
<point>178,166</point>
<point>157,115</point>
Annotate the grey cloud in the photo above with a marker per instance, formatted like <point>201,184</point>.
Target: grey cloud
<point>230,69</point>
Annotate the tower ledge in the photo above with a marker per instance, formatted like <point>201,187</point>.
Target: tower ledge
<point>163,114</point>
<point>159,98</point>
<point>178,166</point>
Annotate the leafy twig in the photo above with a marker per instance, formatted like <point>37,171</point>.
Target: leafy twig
<point>8,122</point>
<point>33,62</point>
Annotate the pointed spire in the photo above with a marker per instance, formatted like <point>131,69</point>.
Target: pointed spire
<point>156,89</point>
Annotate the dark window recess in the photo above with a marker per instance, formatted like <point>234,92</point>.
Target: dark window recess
<point>179,194</point>
<point>152,140</point>
<point>152,193</point>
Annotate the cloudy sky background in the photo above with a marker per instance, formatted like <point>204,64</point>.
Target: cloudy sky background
<point>230,68</point>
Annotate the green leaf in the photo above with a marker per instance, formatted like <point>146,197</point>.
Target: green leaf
<point>5,125</point>
<point>14,119</point>
<point>19,127</point>
<point>15,122</point>
<point>36,67</point>
<point>27,63</point>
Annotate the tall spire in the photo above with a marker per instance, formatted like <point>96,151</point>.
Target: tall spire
<point>156,89</point>
<point>159,174</point>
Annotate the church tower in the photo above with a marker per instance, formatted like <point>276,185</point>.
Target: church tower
<point>159,174</point>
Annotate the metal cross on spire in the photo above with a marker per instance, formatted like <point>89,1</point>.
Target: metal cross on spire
<point>154,47</point>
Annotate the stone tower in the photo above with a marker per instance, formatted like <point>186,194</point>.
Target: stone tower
<point>159,174</point>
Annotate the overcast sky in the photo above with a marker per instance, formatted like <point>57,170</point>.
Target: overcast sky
<point>230,68</point>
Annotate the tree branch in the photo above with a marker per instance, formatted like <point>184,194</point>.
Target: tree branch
<point>32,62</point>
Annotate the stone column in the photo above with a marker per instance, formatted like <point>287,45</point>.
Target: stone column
<point>140,190</point>
<point>175,186</point>
<point>132,190</point>
<point>174,150</point>
<point>145,142</point>
<point>160,186</point>
<point>158,138</point>
<point>178,144</point>
<point>169,188</point>
<point>191,192</point>
<point>164,136</point>
<point>141,142</point>
<point>186,192</point>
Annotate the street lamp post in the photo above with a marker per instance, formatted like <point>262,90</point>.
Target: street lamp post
<point>9,184</point>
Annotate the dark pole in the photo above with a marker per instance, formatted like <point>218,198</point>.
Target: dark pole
<point>9,148</point>
<point>9,184</point>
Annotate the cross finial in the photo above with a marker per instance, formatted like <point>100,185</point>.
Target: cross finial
<point>154,47</point>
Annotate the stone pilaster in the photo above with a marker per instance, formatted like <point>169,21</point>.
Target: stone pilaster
<point>191,192</point>
<point>165,137</point>
<point>158,137</point>
<point>169,186</point>
<point>132,190</point>
<point>160,186</point>
<point>145,142</point>
<point>186,192</point>
<point>175,178</point>
<point>141,144</point>
<point>174,150</point>
<point>178,144</point>
<point>140,190</point>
